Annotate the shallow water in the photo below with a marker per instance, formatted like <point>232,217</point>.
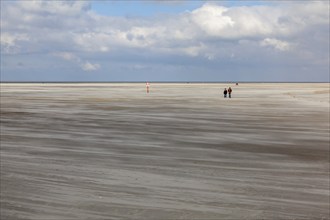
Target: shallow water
<point>182,151</point>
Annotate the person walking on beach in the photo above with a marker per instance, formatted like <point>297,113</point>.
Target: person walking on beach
<point>147,85</point>
<point>229,92</point>
<point>225,93</point>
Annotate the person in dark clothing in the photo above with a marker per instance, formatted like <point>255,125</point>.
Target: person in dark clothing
<point>225,93</point>
<point>229,92</point>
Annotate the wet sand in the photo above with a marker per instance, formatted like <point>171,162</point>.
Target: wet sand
<point>111,151</point>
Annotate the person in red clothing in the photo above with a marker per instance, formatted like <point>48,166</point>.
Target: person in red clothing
<point>229,92</point>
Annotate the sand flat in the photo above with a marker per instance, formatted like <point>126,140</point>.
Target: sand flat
<point>112,151</point>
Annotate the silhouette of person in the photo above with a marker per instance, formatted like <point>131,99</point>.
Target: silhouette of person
<point>229,92</point>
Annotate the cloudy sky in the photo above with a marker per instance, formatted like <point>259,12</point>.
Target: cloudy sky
<point>164,40</point>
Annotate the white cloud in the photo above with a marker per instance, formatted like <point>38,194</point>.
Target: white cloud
<point>10,42</point>
<point>212,19</point>
<point>191,51</point>
<point>211,33</point>
<point>67,56</point>
<point>72,21</point>
<point>67,8</point>
<point>87,66</point>
<point>284,19</point>
<point>277,44</point>
<point>92,41</point>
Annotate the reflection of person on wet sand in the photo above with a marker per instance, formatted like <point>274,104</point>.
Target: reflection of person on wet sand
<point>225,93</point>
<point>229,92</point>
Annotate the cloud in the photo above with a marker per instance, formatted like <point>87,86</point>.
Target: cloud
<point>67,56</point>
<point>212,19</point>
<point>90,32</point>
<point>10,42</point>
<point>208,36</point>
<point>47,8</point>
<point>85,65</point>
<point>277,44</point>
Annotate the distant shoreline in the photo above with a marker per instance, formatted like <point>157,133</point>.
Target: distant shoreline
<point>162,82</point>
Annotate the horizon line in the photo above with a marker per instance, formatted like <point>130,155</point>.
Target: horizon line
<point>165,82</point>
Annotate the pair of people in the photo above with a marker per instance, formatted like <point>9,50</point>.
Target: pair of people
<point>227,91</point>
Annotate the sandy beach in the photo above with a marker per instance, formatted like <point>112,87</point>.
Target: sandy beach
<point>182,151</point>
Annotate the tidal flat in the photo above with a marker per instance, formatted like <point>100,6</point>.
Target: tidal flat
<point>181,151</point>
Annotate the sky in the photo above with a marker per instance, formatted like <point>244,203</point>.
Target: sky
<point>157,40</point>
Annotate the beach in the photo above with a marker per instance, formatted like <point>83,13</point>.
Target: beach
<point>181,151</point>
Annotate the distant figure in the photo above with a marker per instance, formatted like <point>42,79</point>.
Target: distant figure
<point>225,93</point>
<point>236,84</point>
<point>147,85</point>
<point>229,92</point>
